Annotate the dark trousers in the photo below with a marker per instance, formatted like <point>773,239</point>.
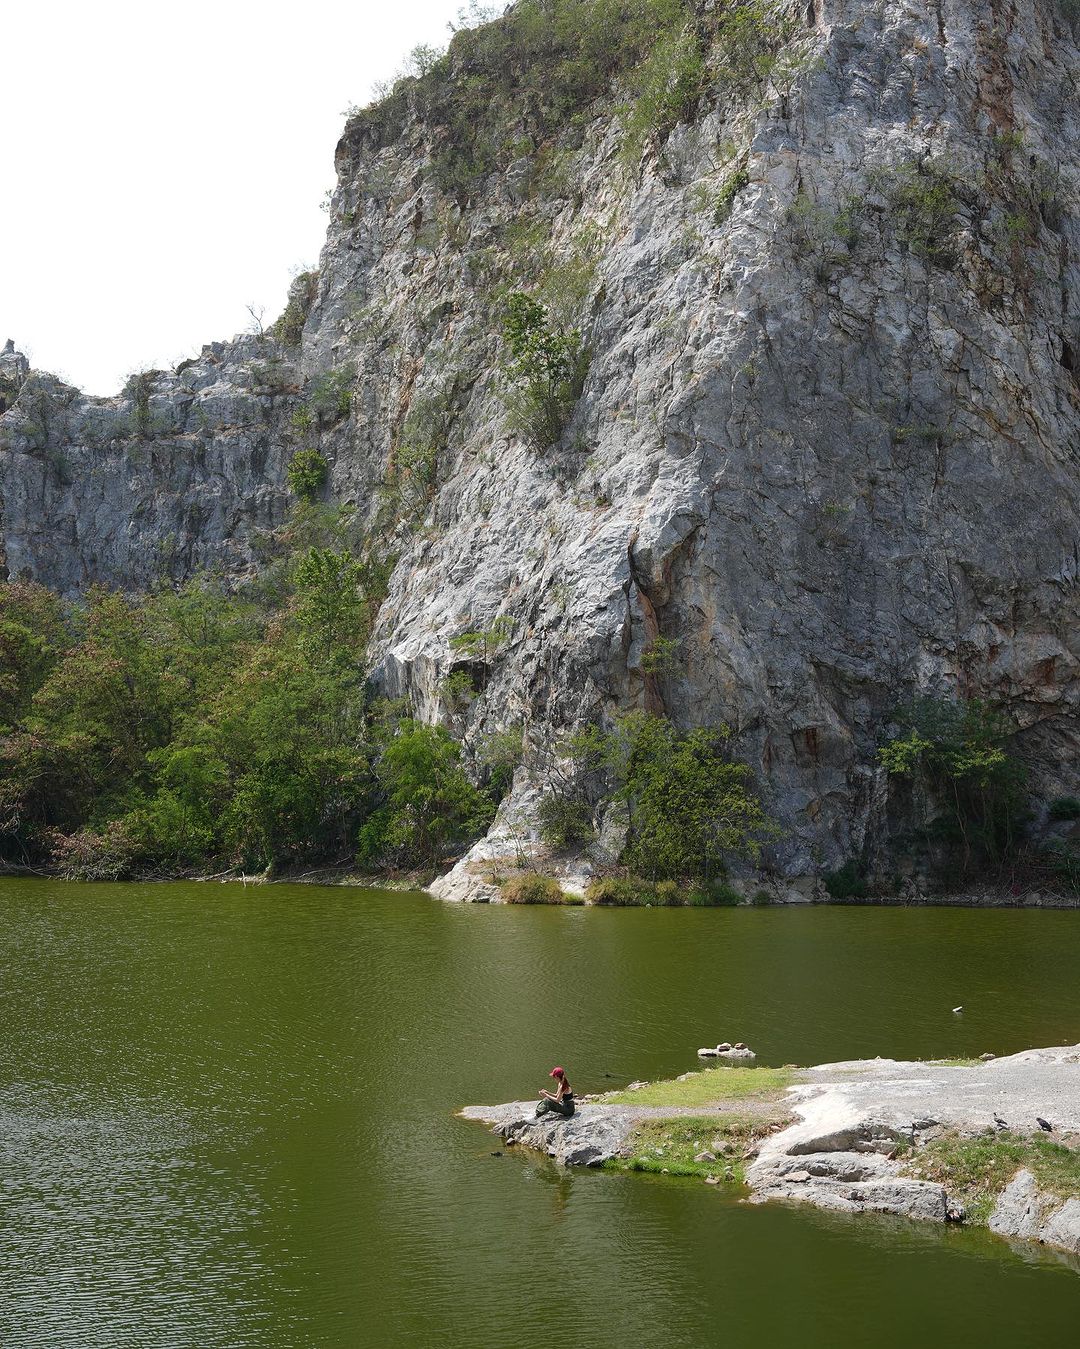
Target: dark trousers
<point>564,1107</point>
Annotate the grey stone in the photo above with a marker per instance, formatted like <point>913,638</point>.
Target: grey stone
<point>835,473</point>
<point>1024,1211</point>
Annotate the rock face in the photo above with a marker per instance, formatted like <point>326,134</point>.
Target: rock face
<point>827,444</point>
<point>179,473</point>
<point>1023,1211</point>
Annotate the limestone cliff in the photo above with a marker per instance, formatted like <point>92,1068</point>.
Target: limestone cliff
<point>827,444</point>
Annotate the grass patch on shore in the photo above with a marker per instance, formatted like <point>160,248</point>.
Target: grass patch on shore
<point>976,1170</point>
<point>671,1146</point>
<point>711,1086</point>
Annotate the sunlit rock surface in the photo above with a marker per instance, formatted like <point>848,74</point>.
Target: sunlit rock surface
<point>833,467</point>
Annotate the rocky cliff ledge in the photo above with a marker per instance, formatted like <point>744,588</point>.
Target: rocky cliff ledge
<point>935,1141</point>
<point>825,448</point>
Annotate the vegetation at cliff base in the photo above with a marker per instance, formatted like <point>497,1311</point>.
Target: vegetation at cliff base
<point>199,728</point>
<point>968,788</point>
<point>688,805</point>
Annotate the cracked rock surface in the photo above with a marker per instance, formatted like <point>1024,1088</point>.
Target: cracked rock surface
<point>833,458</point>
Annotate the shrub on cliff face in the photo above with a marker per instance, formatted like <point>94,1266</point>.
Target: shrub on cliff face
<point>307,474</point>
<point>688,804</point>
<point>565,819</point>
<point>925,206</point>
<point>547,371</point>
<point>330,396</point>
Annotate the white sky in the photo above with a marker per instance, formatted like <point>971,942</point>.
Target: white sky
<point>163,164</point>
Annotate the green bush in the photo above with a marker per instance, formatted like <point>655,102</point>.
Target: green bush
<point>330,397</point>
<point>430,809</point>
<point>1064,807</point>
<point>307,474</point>
<point>716,895</point>
<point>529,887</point>
<point>688,804</point>
<point>661,657</point>
<point>619,891</point>
<point>846,882</point>
<point>565,820</point>
<point>547,371</point>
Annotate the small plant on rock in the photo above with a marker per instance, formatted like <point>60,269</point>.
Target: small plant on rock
<point>307,474</point>
<point>547,370</point>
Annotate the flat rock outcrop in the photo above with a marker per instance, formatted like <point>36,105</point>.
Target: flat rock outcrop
<point>859,1126</point>
<point>1025,1211</point>
<point>592,1135</point>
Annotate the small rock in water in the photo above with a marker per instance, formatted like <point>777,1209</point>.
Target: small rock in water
<point>707,1053</point>
<point>739,1052</point>
<point>723,1048</point>
<point>987,1057</point>
<point>740,1045</point>
<point>712,1180</point>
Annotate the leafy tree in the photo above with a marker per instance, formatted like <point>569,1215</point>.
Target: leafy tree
<point>430,806</point>
<point>956,752</point>
<point>34,633</point>
<point>688,804</point>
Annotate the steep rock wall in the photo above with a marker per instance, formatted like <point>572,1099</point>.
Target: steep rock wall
<point>827,443</point>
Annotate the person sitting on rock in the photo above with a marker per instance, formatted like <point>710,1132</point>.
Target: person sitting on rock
<point>562,1103</point>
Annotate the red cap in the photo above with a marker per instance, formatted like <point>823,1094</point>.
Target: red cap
<point>557,1072</point>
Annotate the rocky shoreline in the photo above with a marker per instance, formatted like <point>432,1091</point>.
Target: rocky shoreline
<point>872,1136</point>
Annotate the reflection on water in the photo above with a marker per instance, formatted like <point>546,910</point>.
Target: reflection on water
<point>226,1119</point>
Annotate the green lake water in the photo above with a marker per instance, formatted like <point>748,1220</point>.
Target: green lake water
<point>227,1119</point>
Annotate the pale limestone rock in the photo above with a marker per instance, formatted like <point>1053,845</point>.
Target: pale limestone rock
<point>834,473</point>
